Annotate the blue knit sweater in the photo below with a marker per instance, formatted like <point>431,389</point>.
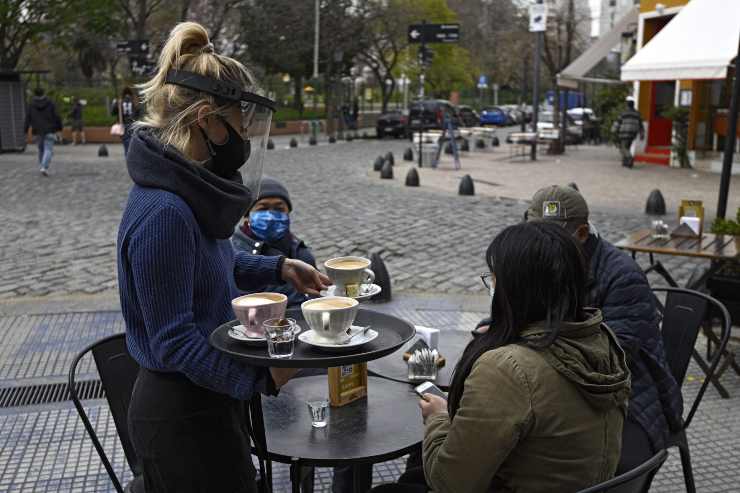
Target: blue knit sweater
<point>176,285</point>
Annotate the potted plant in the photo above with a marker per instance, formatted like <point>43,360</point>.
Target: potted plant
<point>728,227</point>
<point>725,282</point>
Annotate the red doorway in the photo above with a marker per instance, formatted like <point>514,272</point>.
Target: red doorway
<point>660,128</point>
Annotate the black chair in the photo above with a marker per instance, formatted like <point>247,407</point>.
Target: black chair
<point>635,481</point>
<point>684,313</point>
<point>118,372</point>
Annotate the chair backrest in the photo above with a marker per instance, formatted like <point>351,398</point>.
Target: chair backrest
<point>684,313</point>
<point>635,481</point>
<point>118,371</point>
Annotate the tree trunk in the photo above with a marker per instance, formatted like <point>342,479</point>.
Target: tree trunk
<point>556,147</point>
<point>386,93</point>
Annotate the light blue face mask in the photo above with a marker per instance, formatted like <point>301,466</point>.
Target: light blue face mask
<point>270,226</point>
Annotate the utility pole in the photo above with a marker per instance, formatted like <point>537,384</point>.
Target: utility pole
<point>423,54</point>
<point>316,44</point>
<point>724,184</point>
<point>536,93</point>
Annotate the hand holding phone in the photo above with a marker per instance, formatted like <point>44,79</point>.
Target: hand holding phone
<point>433,400</point>
<point>430,388</point>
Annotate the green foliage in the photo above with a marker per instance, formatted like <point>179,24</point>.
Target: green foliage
<point>680,144</point>
<point>608,105</point>
<point>727,226</point>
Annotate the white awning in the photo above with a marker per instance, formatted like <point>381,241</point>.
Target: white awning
<point>698,43</point>
<point>577,70</point>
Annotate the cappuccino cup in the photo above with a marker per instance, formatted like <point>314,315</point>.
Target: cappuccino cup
<point>253,309</point>
<point>331,317</point>
<point>349,274</point>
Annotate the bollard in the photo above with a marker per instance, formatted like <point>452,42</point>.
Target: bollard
<point>465,145</point>
<point>389,158</point>
<point>573,186</point>
<point>349,138</point>
<point>386,172</point>
<point>332,139</point>
<point>448,148</point>
<point>312,141</point>
<point>466,186</point>
<point>365,136</point>
<point>655,204</point>
<point>408,155</point>
<point>480,144</point>
<point>270,144</point>
<point>102,151</point>
<point>378,164</point>
<point>495,142</point>
<point>293,142</point>
<point>412,178</point>
<point>382,278</point>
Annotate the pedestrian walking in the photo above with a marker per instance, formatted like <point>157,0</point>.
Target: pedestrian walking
<point>43,120</point>
<point>626,128</point>
<point>127,111</point>
<point>78,127</point>
<point>355,114</point>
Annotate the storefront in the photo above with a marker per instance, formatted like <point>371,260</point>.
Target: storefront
<point>685,57</point>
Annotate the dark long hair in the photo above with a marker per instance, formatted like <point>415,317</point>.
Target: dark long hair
<point>540,275</point>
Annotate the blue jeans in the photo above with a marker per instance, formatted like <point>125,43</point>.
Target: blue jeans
<point>126,139</point>
<point>46,149</point>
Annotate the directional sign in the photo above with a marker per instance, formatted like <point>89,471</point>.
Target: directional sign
<point>537,17</point>
<point>434,33</point>
<point>134,46</point>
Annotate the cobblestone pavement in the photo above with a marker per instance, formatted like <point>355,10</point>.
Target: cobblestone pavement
<point>58,233</point>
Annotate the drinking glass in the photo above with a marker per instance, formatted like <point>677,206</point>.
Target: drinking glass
<point>317,409</point>
<point>660,229</point>
<point>280,334</point>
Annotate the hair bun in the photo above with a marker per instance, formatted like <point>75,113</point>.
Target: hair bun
<point>208,48</point>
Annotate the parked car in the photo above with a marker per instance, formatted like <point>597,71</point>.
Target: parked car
<point>468,116</point>
<point>493,116</point>
<point>430,115</point>
<point>547,130</point>
<point>393,123</point>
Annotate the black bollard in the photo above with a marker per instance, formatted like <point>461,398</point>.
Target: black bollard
<point>480,144</point>
<point>408,155</point>
<point>465,145</point>
<point>573,186</point>
<point>378,164</point>
<point>312,141</point>
<point>293,142</point>
<point>102,151</point>
<point>466,186</point>
<point>332,139</point>
<point>386,172</point>
<point>365,135</point>
<point>412,178</point>
<point>270,144</point>
<point>382,278</point>
<point>655,204</point>
<point>495,142</point>
<point>448,148</point>
<point>389,158</point>
<point>349,138</point>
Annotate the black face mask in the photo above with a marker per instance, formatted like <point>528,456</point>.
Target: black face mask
<point>227,158</point>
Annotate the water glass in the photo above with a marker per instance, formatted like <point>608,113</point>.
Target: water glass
<point>660,230</point>
<point>318,410</point>
<point>280,334</point>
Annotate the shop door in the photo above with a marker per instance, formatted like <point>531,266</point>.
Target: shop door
<point>663,97</point>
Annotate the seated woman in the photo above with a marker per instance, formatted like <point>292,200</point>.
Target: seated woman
<point>538,402</point>
<point>266,231</point>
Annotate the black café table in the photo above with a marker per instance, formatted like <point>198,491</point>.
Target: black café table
<point>393,334</point>
<point>452,343</point>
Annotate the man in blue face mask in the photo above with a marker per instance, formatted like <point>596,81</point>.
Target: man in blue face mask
<point>265,230</point>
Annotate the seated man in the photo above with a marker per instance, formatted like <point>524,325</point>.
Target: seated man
<point>621,291</point>
<point>266,231</point>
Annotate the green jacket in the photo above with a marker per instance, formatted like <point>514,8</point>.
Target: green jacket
<point>535,420</point>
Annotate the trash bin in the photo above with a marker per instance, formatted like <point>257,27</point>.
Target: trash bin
<point>429,154</point>
<point>12,113</point>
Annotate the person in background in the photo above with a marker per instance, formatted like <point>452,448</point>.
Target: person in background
<point>127,111</point>
<point>265,230</point>
<point>78,126</point>
<point>44,122</point>
<point>626,128</point>
<point>537,403</point>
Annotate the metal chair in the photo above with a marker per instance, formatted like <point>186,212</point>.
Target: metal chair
<point>635,481</point>
<point>118,372</point>
<point>684,313</point>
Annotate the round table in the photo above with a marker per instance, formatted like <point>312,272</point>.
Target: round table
<point>451,346</point>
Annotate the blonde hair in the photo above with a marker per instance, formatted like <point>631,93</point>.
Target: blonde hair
<point>173,109</point>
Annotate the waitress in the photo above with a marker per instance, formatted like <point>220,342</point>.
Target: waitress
<point>196,162</point>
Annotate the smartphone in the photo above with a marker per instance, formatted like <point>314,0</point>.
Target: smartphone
<point>430,388</point>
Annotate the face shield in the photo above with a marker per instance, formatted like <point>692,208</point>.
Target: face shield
<point>256,118</point>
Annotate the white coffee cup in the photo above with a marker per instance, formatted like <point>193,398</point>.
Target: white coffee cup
<point>349,274</point>
<point>331,317</point>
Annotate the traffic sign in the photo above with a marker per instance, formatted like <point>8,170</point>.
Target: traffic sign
<point>434,33</point>
<point>482,82</point>
<point>133,47</point>
<point>537,17</point>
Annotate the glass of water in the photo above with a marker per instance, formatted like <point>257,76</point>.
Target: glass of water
<point>660,230</point>
<point>280,335</point>
<point>318,410</point>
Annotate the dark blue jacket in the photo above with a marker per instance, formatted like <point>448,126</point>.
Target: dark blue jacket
<point>620,289</point>
<point>290,247</point>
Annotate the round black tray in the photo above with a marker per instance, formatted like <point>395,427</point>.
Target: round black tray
<point>393,333</point>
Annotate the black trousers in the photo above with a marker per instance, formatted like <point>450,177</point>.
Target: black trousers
<point>636,447</point>
<point>189,439</point>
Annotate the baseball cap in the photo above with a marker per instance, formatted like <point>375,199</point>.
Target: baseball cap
<point>630,99</point>
<point>557,203</point>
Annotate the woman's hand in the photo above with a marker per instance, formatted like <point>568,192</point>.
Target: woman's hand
<point>305,278</point>
<point>432,404</point>
<point>281,375</point>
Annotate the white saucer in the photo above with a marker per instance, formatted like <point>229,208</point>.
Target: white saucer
<point>237,332</point>
<point>366,295</point>
<point>309,337</point>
